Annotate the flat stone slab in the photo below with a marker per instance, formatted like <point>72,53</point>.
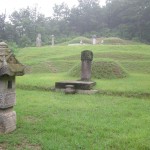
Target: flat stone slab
<point>78,85</point>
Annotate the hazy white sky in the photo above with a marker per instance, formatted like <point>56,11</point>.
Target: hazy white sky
<point>44,6</point>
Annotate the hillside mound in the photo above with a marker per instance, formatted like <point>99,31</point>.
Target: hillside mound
<point>114,41</point>
<point>102,69</point>
<point>78,41</point>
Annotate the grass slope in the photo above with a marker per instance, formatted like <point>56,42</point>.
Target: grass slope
<point>63,58</point>
<point>48,120</point>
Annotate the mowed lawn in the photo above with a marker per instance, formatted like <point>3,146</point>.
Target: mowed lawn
<point>118,117</point>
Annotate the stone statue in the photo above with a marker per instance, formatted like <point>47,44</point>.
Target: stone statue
<point>38,41</point>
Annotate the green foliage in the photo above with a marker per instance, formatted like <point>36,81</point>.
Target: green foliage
<point>13,46</point>
<point>102,69</point>
<point>24,41</point>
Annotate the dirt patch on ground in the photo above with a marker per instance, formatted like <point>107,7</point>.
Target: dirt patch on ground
<point>3,146</point>
<point>28,146</point>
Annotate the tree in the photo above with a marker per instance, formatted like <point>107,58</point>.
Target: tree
<point>86,17</point>
<point>2,27</point>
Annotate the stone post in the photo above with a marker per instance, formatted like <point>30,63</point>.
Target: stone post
<point>94,39</point>
<point>86,58</point>
<point>38,41</point>
<point>53,37</point>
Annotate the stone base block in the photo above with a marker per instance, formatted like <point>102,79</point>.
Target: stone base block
<point>78,85</point>
<point>7,121</point>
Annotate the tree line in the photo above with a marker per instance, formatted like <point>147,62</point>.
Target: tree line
<point>128,19</point>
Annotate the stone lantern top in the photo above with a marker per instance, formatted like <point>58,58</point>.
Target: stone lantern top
<point>9,65</point>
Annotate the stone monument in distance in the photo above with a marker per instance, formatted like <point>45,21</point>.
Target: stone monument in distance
<point>53,40</point>
<point>94,39</point>
<point>38,40</point>
<point>9,68</point>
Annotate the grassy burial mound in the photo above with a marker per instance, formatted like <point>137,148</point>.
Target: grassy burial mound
<point>115,41</point>
<point>77,40</point>
<point>102,69</point>
<point>100,40</point>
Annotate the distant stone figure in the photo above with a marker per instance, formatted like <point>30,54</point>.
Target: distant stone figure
<point>9,68</point>
<point>53,40</point>
<point>86,58</point>
<point>94,39</point>
<point>38,41</point>
<point>81,42</point>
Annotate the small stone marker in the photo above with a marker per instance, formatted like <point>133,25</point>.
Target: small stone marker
<point>38,40</point>
<point>86,58</point>
<point>9,68</point>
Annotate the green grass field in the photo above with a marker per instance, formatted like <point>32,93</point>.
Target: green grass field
<point>116,118</point>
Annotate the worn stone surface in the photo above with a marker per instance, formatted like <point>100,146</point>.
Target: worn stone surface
<point>86,58</point>
<point>77,85</point>
<point>7,121</point>
<point>7,100</point>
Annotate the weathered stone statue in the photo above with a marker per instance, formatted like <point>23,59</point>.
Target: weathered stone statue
<point>94,39</point>
<point>9,68</point>
<point>53,38</point>
<point>38,41</point>
<point>86,58</point>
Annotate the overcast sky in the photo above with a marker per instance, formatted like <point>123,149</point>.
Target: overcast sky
<point>44,6</point>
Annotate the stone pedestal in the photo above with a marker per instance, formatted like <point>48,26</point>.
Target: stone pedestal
<point>7,120</point>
